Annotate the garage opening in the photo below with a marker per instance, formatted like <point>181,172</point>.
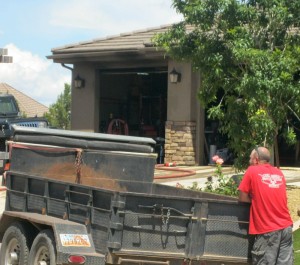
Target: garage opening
<point>134,102</point>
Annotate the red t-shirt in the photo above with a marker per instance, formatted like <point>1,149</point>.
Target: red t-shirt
<point>267,187</point>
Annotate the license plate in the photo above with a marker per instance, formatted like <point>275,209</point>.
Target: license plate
<point>74,240</point>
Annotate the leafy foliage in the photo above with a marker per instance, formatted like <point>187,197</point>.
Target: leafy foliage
<point>59,112</point>
<point>248,51</point>
<point>224,185</point>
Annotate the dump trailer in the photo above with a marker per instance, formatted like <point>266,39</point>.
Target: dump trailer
<point>87,198</point>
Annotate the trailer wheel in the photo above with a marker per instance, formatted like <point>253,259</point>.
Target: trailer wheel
<point>15,245</point>
<point>43,251</point>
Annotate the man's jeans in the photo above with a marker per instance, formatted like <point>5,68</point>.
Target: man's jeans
<point>274,248</point>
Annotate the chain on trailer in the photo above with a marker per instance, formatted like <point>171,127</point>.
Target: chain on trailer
<point>78,163</point>
<point>164,220</point>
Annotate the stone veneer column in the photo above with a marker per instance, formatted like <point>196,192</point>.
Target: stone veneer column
<point>180,142</point>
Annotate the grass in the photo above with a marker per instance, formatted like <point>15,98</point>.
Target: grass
<point>297,247</point>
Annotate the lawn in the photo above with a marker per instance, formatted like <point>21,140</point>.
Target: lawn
<point>297,246</point>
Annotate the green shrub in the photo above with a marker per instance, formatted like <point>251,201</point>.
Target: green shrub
<point>224,185</point>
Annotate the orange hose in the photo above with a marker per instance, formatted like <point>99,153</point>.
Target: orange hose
<point>180,172</point>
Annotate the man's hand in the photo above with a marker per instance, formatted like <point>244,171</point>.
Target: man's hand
<point>244,197</point>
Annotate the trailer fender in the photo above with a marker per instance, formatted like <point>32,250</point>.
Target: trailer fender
<point>70,238</point>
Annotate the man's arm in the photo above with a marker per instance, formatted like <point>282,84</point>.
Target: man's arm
<point>244,197</point>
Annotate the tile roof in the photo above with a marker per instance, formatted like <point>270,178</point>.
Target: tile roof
<point>27,105</point>
<point>131,42</point>
<point>135,40</point>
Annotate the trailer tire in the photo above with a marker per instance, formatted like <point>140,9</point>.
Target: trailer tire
<point>43,249</point>
<point>15,246</point>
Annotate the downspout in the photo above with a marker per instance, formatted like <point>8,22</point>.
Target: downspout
<point>68,67</point>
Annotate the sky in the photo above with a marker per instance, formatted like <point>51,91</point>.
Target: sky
<point>30,29</point>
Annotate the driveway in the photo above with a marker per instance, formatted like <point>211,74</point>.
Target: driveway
<point>292,175</point>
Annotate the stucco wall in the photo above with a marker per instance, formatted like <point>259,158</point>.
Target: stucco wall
<point>180,94</point>
<point>85,101</point>
<point>184,126</point>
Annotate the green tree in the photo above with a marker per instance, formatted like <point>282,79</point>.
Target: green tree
<point>248,52</point>
<point>59,112</point>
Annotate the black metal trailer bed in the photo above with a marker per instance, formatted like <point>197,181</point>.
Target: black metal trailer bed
<point>121,215</point>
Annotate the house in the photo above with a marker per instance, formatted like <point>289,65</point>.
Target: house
<point>28,106</point>
<point>126,79</point>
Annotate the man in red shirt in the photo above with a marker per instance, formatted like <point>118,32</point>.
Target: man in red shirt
<point>264,187</point>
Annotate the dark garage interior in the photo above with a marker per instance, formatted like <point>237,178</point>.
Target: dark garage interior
<point>137,98</point>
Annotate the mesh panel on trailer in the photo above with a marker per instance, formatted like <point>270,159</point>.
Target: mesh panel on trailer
<point>16,201</point>
<point>56,205</point>
<point>35,203</point>
<point>100,238</point>
<point>100,218</point>
<point>226,234</point>
<point>150,234</point>
<point>56,208</point>
<point>78,213</point>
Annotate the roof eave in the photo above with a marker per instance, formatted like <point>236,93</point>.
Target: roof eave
<point>62,55</point>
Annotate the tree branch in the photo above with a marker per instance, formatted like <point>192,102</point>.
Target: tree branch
<point>293,112</point>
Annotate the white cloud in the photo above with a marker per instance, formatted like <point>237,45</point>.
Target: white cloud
<point>36,77</point>
<point>113,17</point>
<point>44,80</point>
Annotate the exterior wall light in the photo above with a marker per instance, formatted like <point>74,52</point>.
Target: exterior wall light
<point>78,82</point>
<point>175,77</point>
